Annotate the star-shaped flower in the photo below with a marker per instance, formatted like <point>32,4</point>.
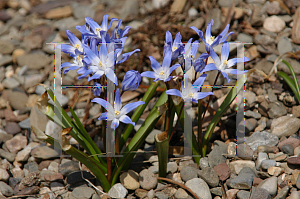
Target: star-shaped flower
<point>117,113</point>
<point>189,92</point>
<point>161,72</point>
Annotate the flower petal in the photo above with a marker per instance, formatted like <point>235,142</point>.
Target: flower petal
<point>167,60</point>
<point>104,104</point>
<point>154,64</point>
<point>233,61</point>
<point>125,119</point>
<point>208,30</point>
<point>115,123</point>
<point>235,71</point>
<point>72,38</point>
<point>103,116</point>
<point>199,32</point>
<point>129,107</point>
<point>111,76</point>
<point>198,83</point>
<point>225,52</point>
<point>97,75</point>
<point>91,56</point>
<point>149,74</point>
<point>209,67</point>
<point>225,75</point>
<point>215,57</point>
<point>174,92</point>
<point>118,103</point>
<point>201,95</point>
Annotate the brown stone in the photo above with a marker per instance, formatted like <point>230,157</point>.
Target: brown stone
<point>29,191</point>
<point>293,160</point>
<point>296,27</point>
<point>291,141</point>
<point>44,164</point>
<point>296,111</point>
<point>54,177</point>
<point>60,12</point>
<point>223,171</point>
<point>252,53</point>
<point>256,181</point>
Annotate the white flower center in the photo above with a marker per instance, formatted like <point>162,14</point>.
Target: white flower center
<point>224,65</point>
<point>211,40</point>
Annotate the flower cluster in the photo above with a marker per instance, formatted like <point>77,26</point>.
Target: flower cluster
<point>98,53</point>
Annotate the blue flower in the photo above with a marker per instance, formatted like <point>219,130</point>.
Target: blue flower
<point>161,72</point>
<point>188,54</point>
<point>117,113</point>
<point>75,49</point>
<point>131,80</point>
<point>96,29</point>
<point>189,92</point>
<point>97,89</point>
<point>175,47</point>
<point>118,33</point>
<point>224,64</point>
<point>101,63</point>
<point>210,41</point>
<point>199,63</point>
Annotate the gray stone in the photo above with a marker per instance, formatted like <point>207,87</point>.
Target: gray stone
<point>10,83</point>
<point>172,167</point>
<point>136,24</point>
<point>273,8</point>
<point>3,175</point>
<point>250,96</point>
<point>81,11</point>
<point>199,187</point>
<point>83,192</point>
<point>217,191</point>
<point>52,129</point>
<point>210,176</point>
<point>242,194</point>
<point>260,193</point>
<point>215,157</point>
<point>283,193</point>
<point>38,119</point>
<point>130,180</point>
<point>270,184</point>
<point>12,128</point>
<point>284,45</point>
<point>188,173</point>
<point>181,194</point>
<point>244,151</point>
<point>261,157</point>
<point>25,124</point>
<point>243,180</point>
<point>153,169</point>
<point>265,164</point>
<point>294,195</point>
<point>242,37</point>
<point>294,63</point>
<point>5,59</point>
<point>129,9</point>
<point>34,61</point>
<point>288,149</point>
<point>276,109</point>
<point>285,126</point>
<point>118,191</point>
<point>161,195</point>
<point>255,115</point>
<point>5,189</point>
<point>16,143</point>
<point>147,179</point>
<point>6,47</point>
<point>32,80</point>
<point>68,167</point>
<point>203,162</point>
<point>150,138</point>
<point>261,138</point>
<point>7,155</point>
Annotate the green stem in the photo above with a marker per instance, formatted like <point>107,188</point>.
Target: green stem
<point>200,124</point>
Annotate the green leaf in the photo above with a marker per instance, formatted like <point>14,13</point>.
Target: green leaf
<point>294,85</point>
<point>138,112</point>
<point>137,141</point>
<point>162,145</point>
<point>222,109</point>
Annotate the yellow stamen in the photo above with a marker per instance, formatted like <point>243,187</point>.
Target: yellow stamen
<point>98,29</point>
<point>162,73</point>
<point>225,62</point>
<point>212,38</point>
<point>117,112</point>
<point>175,48</point>
<point>78,57</point>
<point>76,46</point>
<point>191,95</point>
<point>100,64</point>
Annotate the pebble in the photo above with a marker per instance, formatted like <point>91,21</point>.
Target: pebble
<point>147,179</point>
<point>24,154</point>
<point>288,149</point>
<point>284,45</point>
<point>181,193</point>
<point>223,171</point>
<point>6,47</point>
<point>210,176</point>
<point>242,194</point>
<point>199,187</point>
<point>57,188</point>
<point>265,164</point>
<point>130,180</point>
<point>188,173</point>
<point>244,151</point>
<point>215,157</point>
<point>275,171</point>
<point>171,167</point>
<point>5,189</point>
<point>198,23</point>
<point>293,160</point>
<point>238,165</point>
<point>227,3</point>
<point>296,27</point>
<point>16,143</point>
<point>276,109</point>
<point>274,24</point>
<point>215,14</point>
<point>203,162</point>
<point>270,184</point>
<point>260,158</point>
<point>283,193</point>
<point>150,137</point>
<point>296,111</point>
<point>297,150</point>
<point>83,192</point>
<point>177,6</point>
<point>261,193</point>
<point>261,138</point>
<point>34,61</point>
<point>273,8</point>
<point>255,115</point>
<point>3,175</point>
<point>44,152</point>
<point>17,100</point>
<point>130,9</point>
<point>192,12</point>
<point>38,119</point>
<point>7,155</point>
<point>59,12</point>
<point>242,37</point>
<point>285,126</point>
<point>12,128</point>
<point>242,181</point>
<point>31,166</point>
<point>68,167</point>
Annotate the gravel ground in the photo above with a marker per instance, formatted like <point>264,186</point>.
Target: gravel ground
<point>265,165</point>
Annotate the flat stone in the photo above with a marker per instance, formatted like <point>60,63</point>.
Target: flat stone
<point>270,185</point>
<point>284,45</point>
<point>261,138</point>
<point>243,181</point>
<point>5,60</point>
<point>34,61</point>
<point>44,152</point>
<point>210,176</point>
<point>31,166</point>
<point>59,12</point>
<point>276,109</point>
<point>181,193</point>
<point>3,175</point>
<point>293,160</point>
<point>296,111</point>
<point>24,154</point>
<point>147,179</point>
<point>199,187</point>
<point>5,189</point>
<point>188,173</point>
<point>285,126</point>
<point>265,164</point>
<point>7,155</point>
<point>274,24</point>
<point>17,100</point>
<point>215,157</point>
<point>83,192</point>
<point>6,47</point>
<point>16,143</point>
<point>261,193</point>
<point>238,165</point>
<point>12,128</point>
<point>118,191</point>
<point>223,171</point>
<point>275,171</point>
<point>288,149</point>
<point>68,167</point>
